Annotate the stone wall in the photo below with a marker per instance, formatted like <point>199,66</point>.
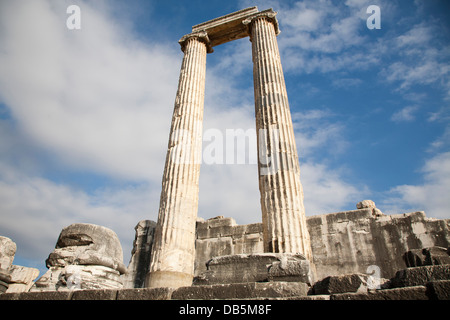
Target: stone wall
<point>351,241</point>
<point>342,243</point>
<point>222,236</point>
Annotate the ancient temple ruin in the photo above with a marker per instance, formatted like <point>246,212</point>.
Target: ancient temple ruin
<point>283,213</point>
<point>358,254</point>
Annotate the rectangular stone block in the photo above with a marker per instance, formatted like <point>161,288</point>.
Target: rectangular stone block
<point>101,294</point>
<point>419,276</point>
<point>249,290</point>
<point>408,293</point>
<point>256,267</point>
<point>341,284</point>
<point>145,294</point>
<point>9,296</point>
<point>314,297</point>
<point>43,295</point>
<point>226,28</point>
<point>439,290</point>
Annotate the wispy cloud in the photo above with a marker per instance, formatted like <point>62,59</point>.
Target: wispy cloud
<point>431,196</point>
<point>316,129</point>
<point>422,59</point>
<point>405,115</point>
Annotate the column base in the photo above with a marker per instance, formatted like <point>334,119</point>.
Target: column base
<point>171,279</point>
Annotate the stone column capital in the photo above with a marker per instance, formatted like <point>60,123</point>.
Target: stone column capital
<point>269,15</point>
<point>202,36</point>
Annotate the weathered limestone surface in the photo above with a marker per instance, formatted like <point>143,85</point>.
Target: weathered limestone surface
<point>249,290</point>
<point>285,231</point>
<point>22,278</point>
<point>86,256</point>
<point>173,251</point>
<point>409,293</point>
<point>7,252</point>
<point>139,264</point>
<point>427,256</point>
<point>226,28</point>
<point>342,243</point>
<point>351,241</point>
<point>222,236</point>
<point>145,294</point>
<point>13,279</point>
<point>256,268</point>
<point>418,276</point>
<point>439,289</point>
<point>283,212</point>
<point>356,282</point>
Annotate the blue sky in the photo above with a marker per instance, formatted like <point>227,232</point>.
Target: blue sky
<point>85,114</point>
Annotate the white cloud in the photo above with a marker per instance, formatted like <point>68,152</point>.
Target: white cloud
<point>303,17</point>
<point>331,37</point>
<point>431,196</point>
<point>34,210</point>
<point>317,129</point>
<point>406,114</point>
<point>422,59</point>
<point>420,34</point>
<point>423,72</point>
<point>95,98</point>
<point>327,191</point>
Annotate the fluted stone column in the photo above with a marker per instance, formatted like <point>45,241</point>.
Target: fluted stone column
<point>284,221</point>
<point>173,252</point>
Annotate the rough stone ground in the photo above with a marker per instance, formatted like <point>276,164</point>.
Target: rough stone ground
<point>417,283</point>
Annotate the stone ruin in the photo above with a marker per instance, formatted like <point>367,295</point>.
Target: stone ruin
<point>353,255</point>
<point>86,256</point>
<point>13,279</point>
<point>360,254</point>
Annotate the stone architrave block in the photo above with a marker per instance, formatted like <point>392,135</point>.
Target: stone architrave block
<point>257,267</point>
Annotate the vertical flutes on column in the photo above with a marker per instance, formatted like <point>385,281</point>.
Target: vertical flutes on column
<point>173,252</point>
<point>284,221</point>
